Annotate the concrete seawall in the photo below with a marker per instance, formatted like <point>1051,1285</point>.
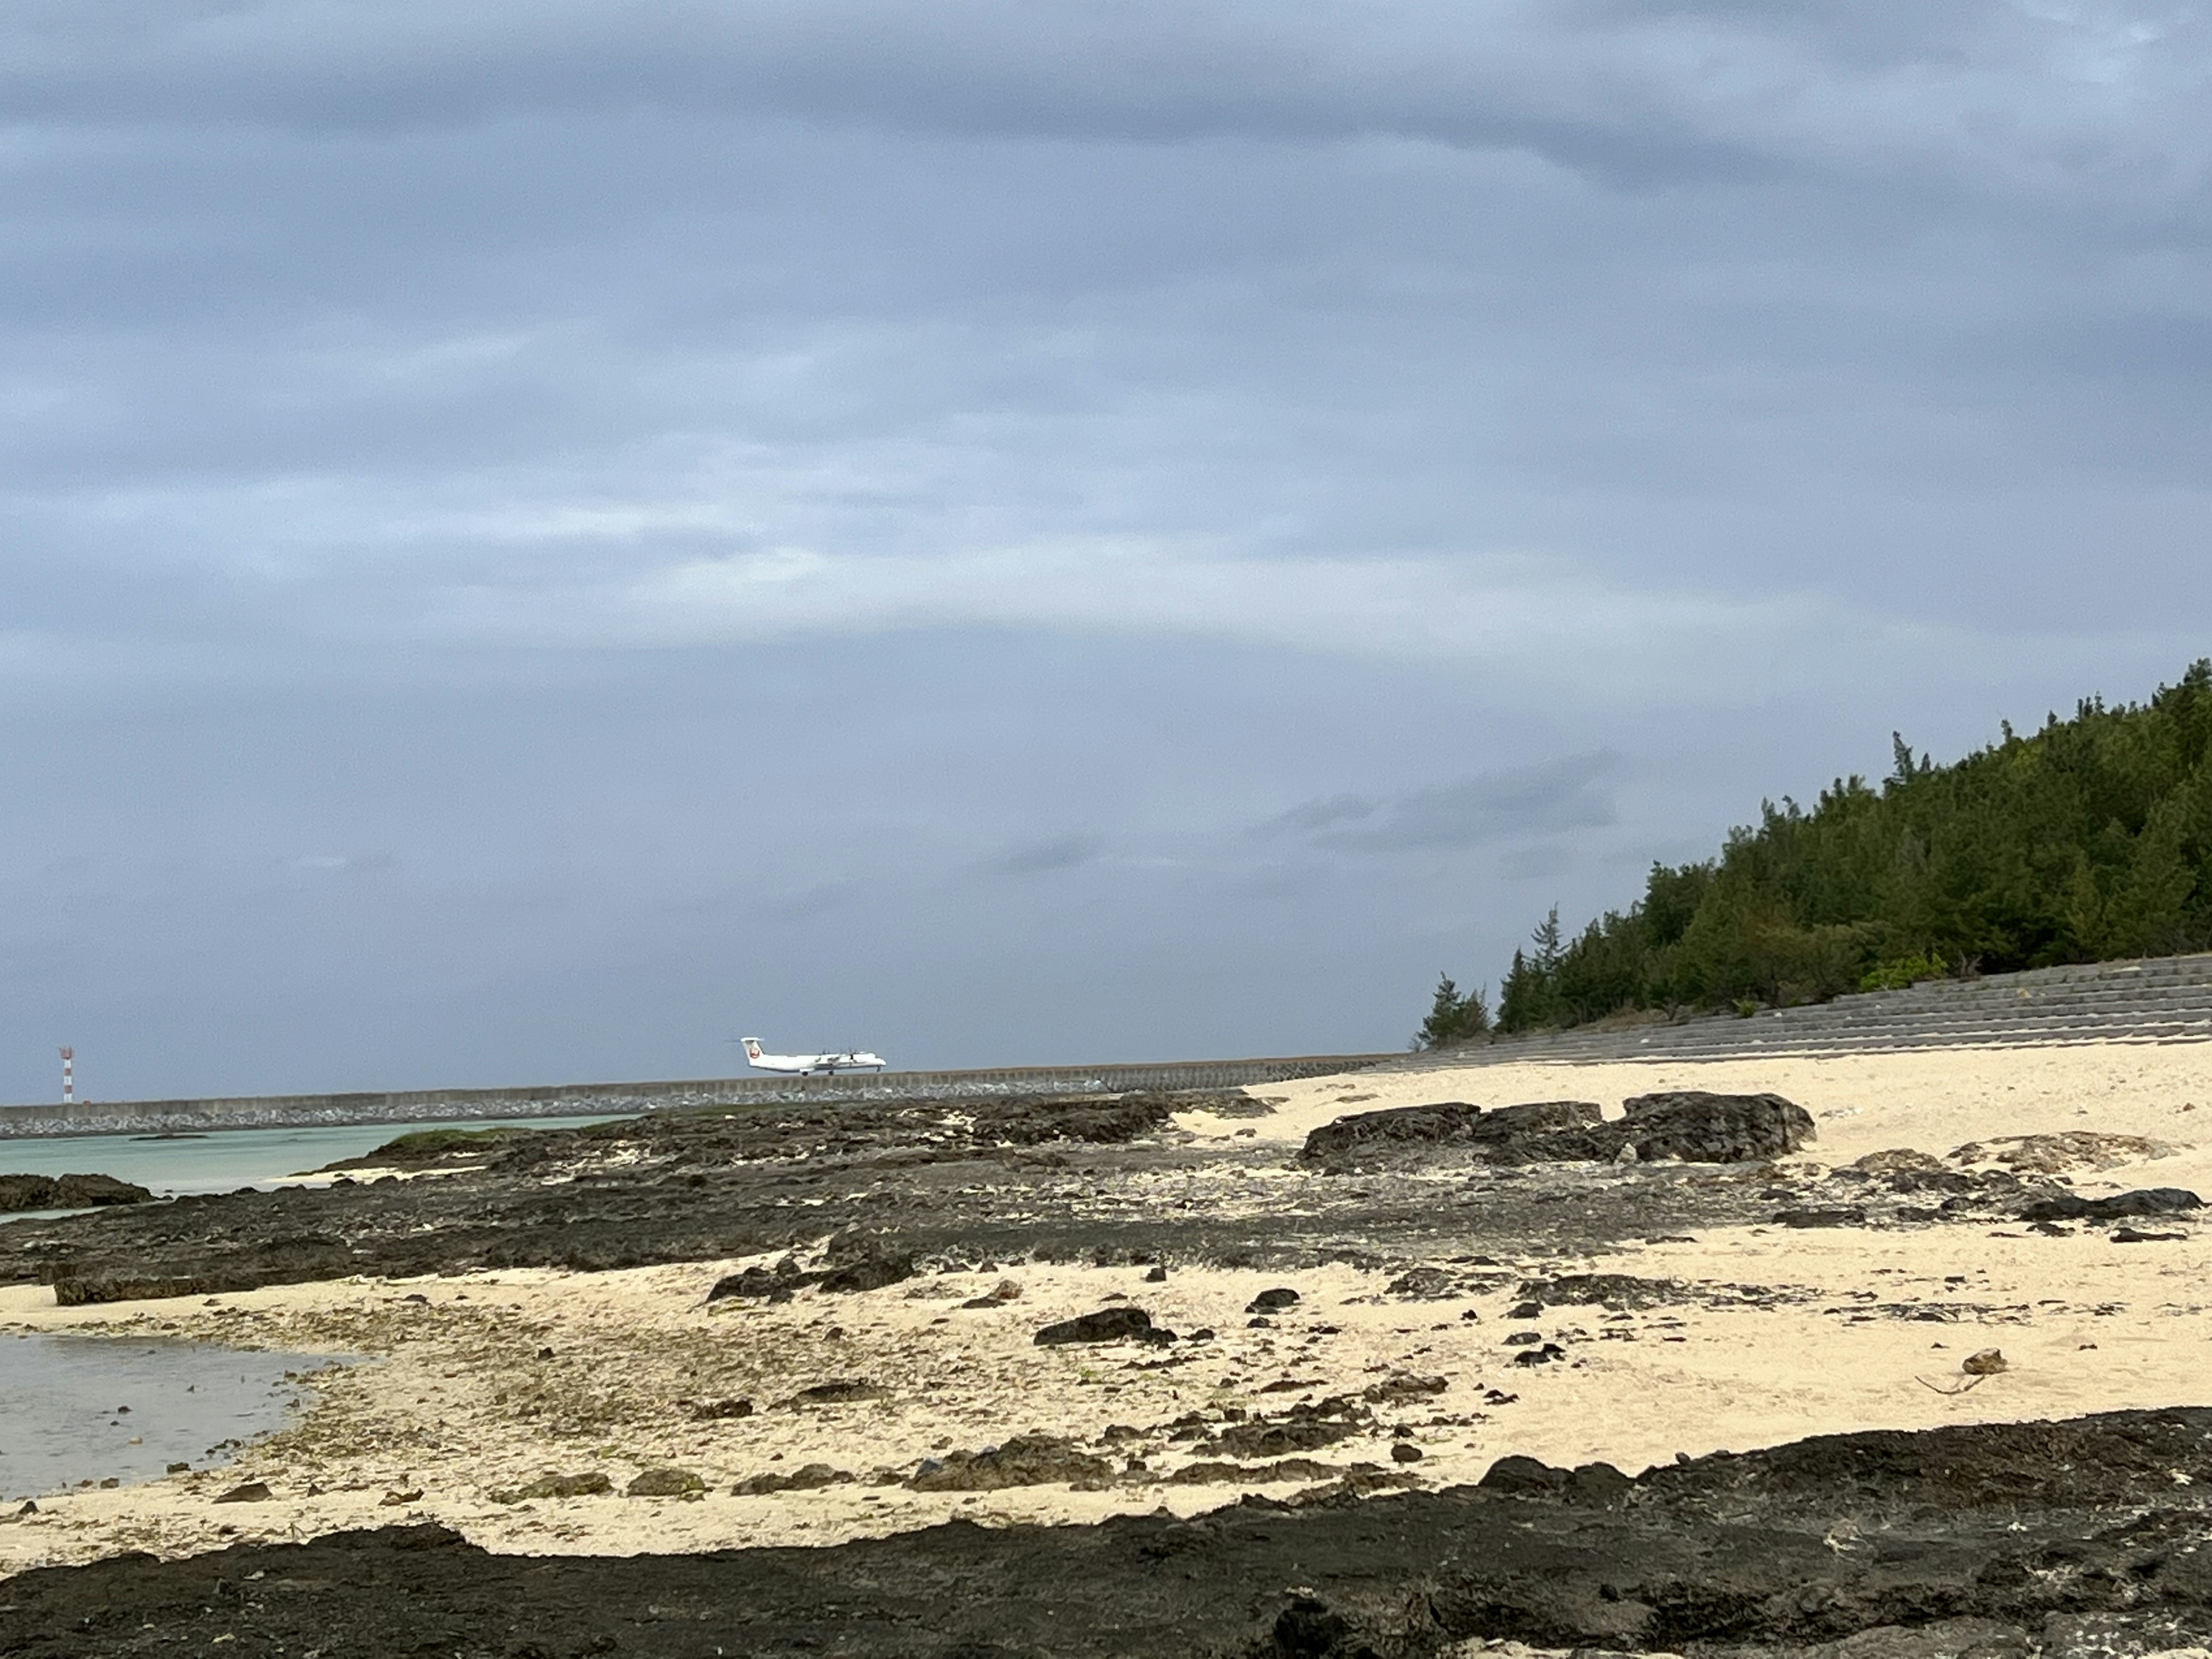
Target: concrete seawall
<point>582,1099</point>
<point>2156,1000</point>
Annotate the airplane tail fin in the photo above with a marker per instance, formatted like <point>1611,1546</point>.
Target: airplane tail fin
<point>752,1047</point>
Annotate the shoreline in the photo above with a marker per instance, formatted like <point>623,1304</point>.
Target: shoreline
<point>1768,1335</point>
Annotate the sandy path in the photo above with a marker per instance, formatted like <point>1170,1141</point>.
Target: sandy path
<point>490,1381</point>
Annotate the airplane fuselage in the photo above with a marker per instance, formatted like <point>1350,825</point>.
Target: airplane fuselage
<point>853,1060</point>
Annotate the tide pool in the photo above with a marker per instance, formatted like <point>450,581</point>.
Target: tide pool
<point>80,1410</point>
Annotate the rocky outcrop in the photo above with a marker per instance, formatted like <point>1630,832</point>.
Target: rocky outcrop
<point>664,1482</point>
<point>593,1484</point>
<point>2144,1201</point>
<point>1611,1291</point>
<point>1691,1125</point>
<point>2076,1540</point>
<point>287,1258</point>
<point>808,1477</point>
<point>1698,1128</point>
<point>1024,1459</point>
<point>1120,1324</point>
<point>840,1391</point>
<point>1401,1133</point>
<point>2060,1153</point>
<point>68,1192</point>
<point>78,1293</point>
<point>850,1267</point>
<point>893,1192</point>
<point>1526,1474</point>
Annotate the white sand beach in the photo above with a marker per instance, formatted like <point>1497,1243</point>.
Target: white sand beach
<point>474,1386</point>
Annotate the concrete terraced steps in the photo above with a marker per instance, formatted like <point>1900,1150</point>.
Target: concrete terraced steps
<point>2157,999</point>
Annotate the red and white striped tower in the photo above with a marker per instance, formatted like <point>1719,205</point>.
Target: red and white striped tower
<point>69,1076</point>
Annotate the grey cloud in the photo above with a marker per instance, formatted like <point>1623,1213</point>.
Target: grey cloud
<point>1572,793</point>
<point>1627,90</point>
<point>1041,857</point>
<point>1320,815</point>
<point>1807,353</point>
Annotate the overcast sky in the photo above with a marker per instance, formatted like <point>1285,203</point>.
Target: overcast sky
<point>541,540</point>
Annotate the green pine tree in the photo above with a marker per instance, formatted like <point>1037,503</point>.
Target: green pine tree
<point>1453,1017</point>
<point>2089,839</point>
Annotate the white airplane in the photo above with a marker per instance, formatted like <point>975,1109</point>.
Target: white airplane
<point>852,1059</point>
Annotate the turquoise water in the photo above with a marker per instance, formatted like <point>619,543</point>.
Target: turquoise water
<point>224,1160</point>
<point>61,1421</point>
<point>64,1420</point>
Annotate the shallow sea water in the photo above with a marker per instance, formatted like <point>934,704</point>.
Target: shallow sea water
<point>62,1421</point>
<point>223,1160</point>
<point>60,1394</point>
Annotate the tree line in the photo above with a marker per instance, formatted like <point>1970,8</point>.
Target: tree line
<point>2088,840</point>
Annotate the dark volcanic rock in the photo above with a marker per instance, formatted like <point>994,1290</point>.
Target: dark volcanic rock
<point>1399,1390</point>
<point>777,1283</point>
<point>717,1411</point>
<point>1947,1181</point>
<point>1599,1481</point>
<point>852,1268</point>
<point>1104,1123</point>
<point>2144,1201</point>
<point>963,1181</point>
<point>871,1272</point>
<point>1848,1216</point>
<point>1699,1127</point>
<point>27,1192</point>
<point>1304,1428</point>
<point>1446,1123</point>
<point>1262,1438</point>
<point>1614,1290</point>
<point>593,1484</point>
<point>97,1191</point>
<point>2080,1531</point>
<point>81,1293</point>
<point>1424,1284</point>
<point>808,1477</point>
<point>1212,1471</point>
<point>1542,1117</point>
<point>68,1192</point>
<point>1025,1460</point>
<point>1691,1125</point>
<point>1518,1473</point>
<point>845,1391</point>
<point>664,1482</point>
<point>1414,1131</point>
<point>1272,1301</point>
<point>1118,1324</point>
<point>1586,1483</point>
<point>286,1257</point>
